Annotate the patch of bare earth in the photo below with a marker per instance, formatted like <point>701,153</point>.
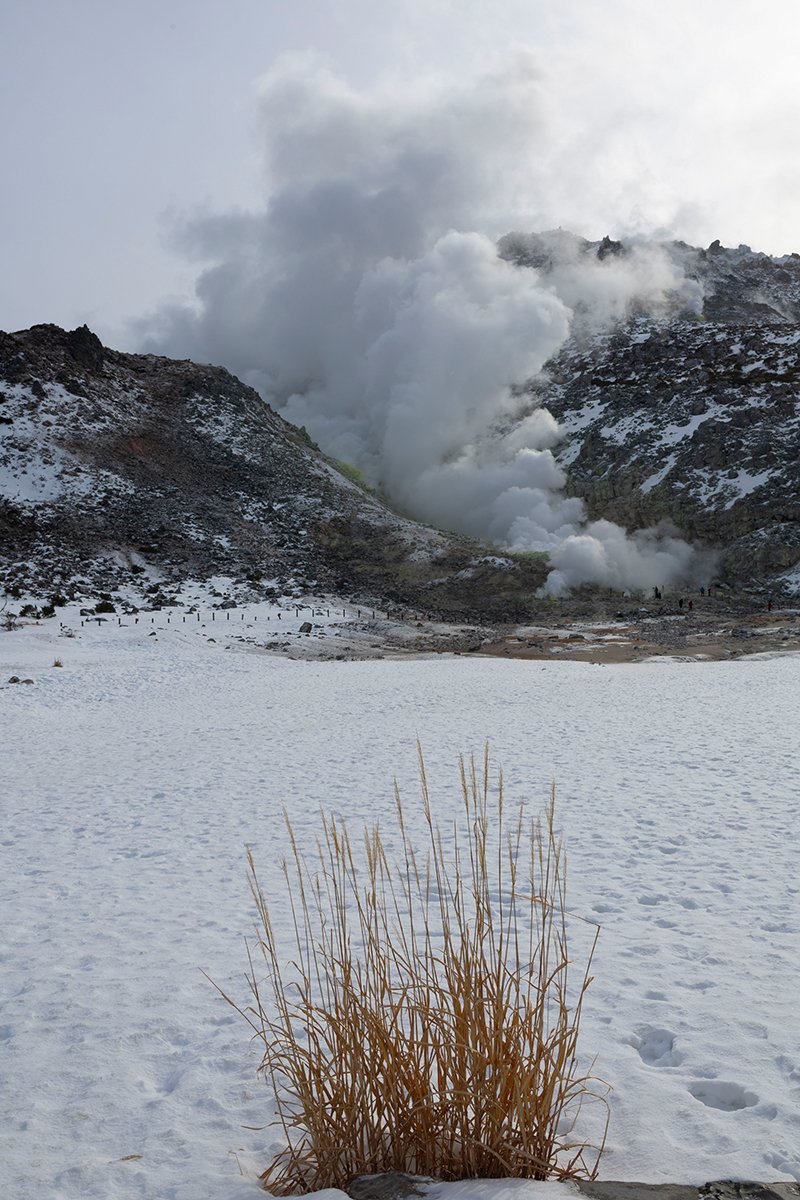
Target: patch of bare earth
<point>711,631</point>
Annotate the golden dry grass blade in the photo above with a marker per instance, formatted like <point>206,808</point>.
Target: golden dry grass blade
<point>427,1020</point>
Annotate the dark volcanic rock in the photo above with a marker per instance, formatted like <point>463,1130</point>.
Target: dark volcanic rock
<point>746,1189</point>
<point>721,1189</point>
<point>86,348</point>
<point>390,1185</point>
<point>694,418</point>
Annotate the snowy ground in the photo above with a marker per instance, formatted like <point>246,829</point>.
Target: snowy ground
<point>134,776</point>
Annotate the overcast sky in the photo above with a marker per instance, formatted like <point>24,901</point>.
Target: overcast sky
<point>122,120</point>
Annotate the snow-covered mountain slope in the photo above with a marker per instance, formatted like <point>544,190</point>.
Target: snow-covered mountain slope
<point>134,471</point>
<point>691,417</point>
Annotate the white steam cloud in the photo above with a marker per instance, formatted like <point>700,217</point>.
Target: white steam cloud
<point>368,302</point>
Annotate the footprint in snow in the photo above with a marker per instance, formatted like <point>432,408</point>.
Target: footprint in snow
<point>656,1046</point>
<point>792,1073</point>
<point>726,1097</point>
<point>781,1160</point>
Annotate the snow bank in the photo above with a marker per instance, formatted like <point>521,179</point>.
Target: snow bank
<point>134,776</point>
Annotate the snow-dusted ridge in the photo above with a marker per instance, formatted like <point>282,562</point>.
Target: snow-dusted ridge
<point>121,472</point>
<point>690,417</point>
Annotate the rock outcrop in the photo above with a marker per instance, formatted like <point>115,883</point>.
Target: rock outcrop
<point>691,418</point>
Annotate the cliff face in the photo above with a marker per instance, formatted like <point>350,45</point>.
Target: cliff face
<point>134,471</point>
<point>694,418</point>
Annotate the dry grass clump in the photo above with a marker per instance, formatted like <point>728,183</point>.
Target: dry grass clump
<point>426,1022</point>
<point>57,662</point>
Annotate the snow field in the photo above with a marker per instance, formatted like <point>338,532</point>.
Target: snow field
<point>134,777</point>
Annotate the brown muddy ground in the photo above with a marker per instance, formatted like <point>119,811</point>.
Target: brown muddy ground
<point>713,629</point>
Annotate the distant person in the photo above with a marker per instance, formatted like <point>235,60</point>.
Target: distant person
<point>703,591</point>
<point>769,606</point>
<point>691,605</point>
<point>680,602</point>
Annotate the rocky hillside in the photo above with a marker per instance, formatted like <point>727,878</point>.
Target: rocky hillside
<point>133,472</point>
<point>693,416</point>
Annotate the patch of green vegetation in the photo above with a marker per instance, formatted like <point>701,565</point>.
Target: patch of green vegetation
<point>527,555</point>
<point>357,477</point>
